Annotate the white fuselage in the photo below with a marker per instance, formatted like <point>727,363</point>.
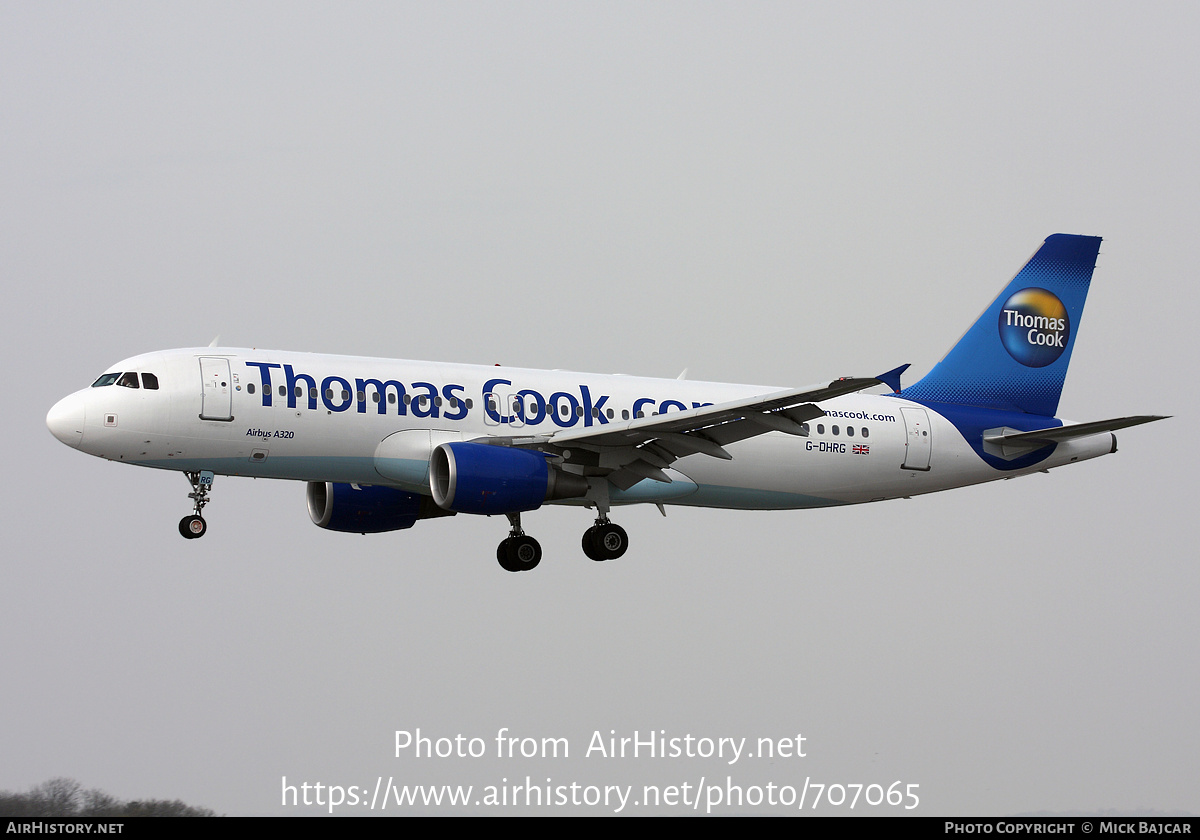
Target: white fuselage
<point>311,417</point>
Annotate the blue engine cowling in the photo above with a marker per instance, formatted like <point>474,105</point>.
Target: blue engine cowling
<point>479,478</point>
<point>365,509</point>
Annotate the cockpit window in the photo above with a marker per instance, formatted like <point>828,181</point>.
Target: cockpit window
<point>128,380</point>
<point>149,381</point>
<point>106,379</point>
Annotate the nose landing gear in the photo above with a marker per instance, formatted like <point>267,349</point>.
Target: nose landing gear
<point>193,527</point>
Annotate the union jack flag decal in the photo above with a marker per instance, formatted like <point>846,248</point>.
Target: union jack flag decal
<point>861,449</point>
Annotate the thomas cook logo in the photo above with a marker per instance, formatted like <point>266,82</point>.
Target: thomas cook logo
<point>1034,327</point>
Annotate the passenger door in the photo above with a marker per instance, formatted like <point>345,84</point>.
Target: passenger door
<point>216,402</point>
<point>918,442</point>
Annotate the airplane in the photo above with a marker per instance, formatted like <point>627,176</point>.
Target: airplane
<point>385,443</point>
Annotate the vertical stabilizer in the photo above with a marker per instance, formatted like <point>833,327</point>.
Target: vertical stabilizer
<point>1015,356</point>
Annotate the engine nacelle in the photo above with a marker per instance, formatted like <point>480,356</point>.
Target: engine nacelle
<point>478,478</point>
<point>366,509</point>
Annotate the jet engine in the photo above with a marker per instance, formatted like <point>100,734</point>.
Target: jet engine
<point>479,478</point>
<point>363,509</point>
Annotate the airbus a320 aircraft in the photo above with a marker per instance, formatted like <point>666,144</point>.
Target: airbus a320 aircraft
<point>384,443</point>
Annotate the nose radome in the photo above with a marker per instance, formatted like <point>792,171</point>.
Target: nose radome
<point>65,420</point>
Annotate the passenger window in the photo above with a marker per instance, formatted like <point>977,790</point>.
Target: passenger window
<point>470,403</point>
<point>804,427</point>
<point>610,414</point>
<point>392,399</point>
<point>866,432</point>
<point>624,413</point>
<point>128,380</point>
<point>374,396</point>
<point>834,429</point>
<point>437,400</point>
<point>150,382</point>
<point>578,411</point>
<point>312,393</point>
<point>299,392</point>
<point>849,431</point>
<point>820,428</point>
<point>345,396</point>
<point>249,387</point>
<point>328,393</point>
<point>106,379</point>
<point>283,391</point>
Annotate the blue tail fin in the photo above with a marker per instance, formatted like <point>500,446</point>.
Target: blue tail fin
<point>1015,357</point>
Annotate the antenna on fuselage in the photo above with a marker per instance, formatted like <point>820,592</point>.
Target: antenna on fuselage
<point>216,340</point>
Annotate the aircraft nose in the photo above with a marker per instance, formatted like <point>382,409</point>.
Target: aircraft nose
<point>65,420</point>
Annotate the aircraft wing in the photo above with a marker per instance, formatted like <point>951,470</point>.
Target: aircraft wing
<point>628,451</point>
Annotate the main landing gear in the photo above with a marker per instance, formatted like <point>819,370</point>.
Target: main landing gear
<point>192,527</point>
<point>519,552</point>
<point>605,540</point>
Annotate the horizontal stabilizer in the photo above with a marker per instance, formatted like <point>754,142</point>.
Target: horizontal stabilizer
<point>1011,443</point>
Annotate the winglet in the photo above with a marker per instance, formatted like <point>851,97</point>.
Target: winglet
<point>892,378</point>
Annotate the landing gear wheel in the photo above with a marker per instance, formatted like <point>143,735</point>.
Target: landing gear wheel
<point>519,554</point>
<point>605,542</point>
<point>589,545</point>
<point>524,553</point>
<point>610,541</point>
<point>502,556</point>
<point>193,527</point>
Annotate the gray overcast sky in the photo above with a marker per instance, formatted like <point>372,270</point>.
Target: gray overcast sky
<point>774,192</point>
